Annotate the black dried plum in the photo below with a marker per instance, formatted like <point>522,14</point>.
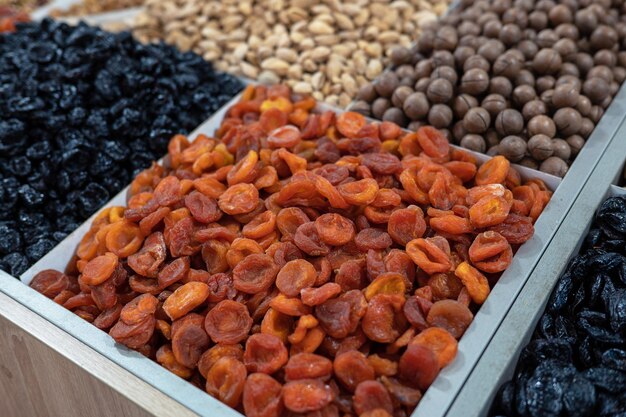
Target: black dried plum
<point>81,112</point>
<point>595,324</point>
<point>544,396</point>
<point>561,294</point>
<point>606,379</point>
<point>14,263</point>
<point>617,310</point>
<point>614,358</point>
<point>579,398</point>
<point>610,405</point>
<point>575,366</point>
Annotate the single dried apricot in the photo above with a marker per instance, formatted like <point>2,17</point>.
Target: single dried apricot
<point>139,309</point>
<point>50,282</point>
<point>340,316</point>
<point>165,357</point>
<point>418,366</point>
<point>349,123</point>
<point>440,194</point>
<point>289,306</point>
<point>406,224</point>
<point>461,169</point>
<point>475,282</point>
<point>174,271</point>
<point>228,322</point>
<point>152,220</point>
<point>309,241</point>
<point>211,356</point>
<point>264,353</point>
<point>245,170</point>
<point>189,340</point>
<point>433,142</point>
<point>225,381</point>
<point>334,229</point>
<point>490,252</point>
<point>277,324</point>
<point>99,269</point>
<point>262,396</point>
<point>305,395</point>
<point>185,299</point>
<point>308,366</point>
<point>203,209</point>
<point>408,179</point>
<point>134,336</point>
<point>451,224</point>
<point>255,273</point>
<point>444,286</point>
<point>515,229</point>
<point>388,283</point>
<point>239,199</point>
<point>493,171</point>
<point>108,317</point>
<point>359,193</point>
<point>210,187</point>
<point>370,396</point>
<point>372,238</point>
<point>451,316</point>
<point>351,368</point>
<point>284,137</point>
<point>489,211</point>
<point>289,219</point>
<point>260,226</point>
<point>379,322</point>
<point>295,276</point>
<point>317,296</point>
<point>440,341</point>
<point>429,256</point>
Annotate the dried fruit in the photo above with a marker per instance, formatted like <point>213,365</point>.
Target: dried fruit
<point>315,253</point>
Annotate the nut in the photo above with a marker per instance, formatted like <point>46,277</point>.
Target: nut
<point>333,46</point>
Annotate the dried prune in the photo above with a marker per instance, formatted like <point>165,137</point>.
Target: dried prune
<point>576,363</point>
<point>68,125</point>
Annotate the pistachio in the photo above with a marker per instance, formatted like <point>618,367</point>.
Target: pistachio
<point>329,49</point>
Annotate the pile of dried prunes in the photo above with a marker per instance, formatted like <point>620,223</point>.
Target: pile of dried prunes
<point>575,364</point>
<point>81,112</point>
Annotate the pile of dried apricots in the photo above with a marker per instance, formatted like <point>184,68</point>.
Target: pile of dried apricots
<point>301,262</point>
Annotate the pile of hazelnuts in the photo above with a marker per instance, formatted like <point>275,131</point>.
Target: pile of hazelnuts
<point>521,78</point>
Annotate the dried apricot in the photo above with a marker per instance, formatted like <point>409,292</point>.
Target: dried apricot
<point>450,315</point>
<point>429,256</point>
<point>99,269</point>
<point>351,368</point>
<point>264,353</point>
<point>185,299</point>
<point>295,276</point>
<point>262,396</point>
<point>475,282</point>
<point>490,252</point>
<point>255,273</point>
<point>228,322</point>
<point>225,381</point>
<point>305,395</point>
<point>308,366</point>
<point>334,229</point>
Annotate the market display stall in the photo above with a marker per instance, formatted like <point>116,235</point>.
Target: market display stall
<point>286,244</point>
